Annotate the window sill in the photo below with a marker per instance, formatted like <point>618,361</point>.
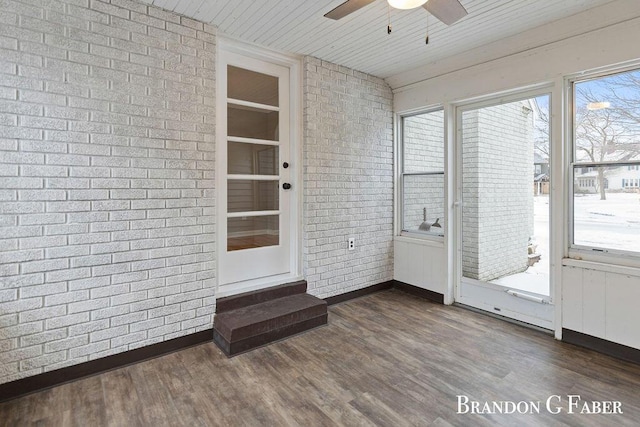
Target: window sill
<point>426,240</point>
<point>605,265</point>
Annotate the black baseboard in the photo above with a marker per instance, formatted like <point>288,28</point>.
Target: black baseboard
<point>336,299</point>
<point>410,289</point>
<point>21,387</point>
<point>419,292</point>
<point>39,382</point>
<point>600,345</point>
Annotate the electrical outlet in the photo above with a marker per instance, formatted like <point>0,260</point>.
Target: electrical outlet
<point>352,243</point>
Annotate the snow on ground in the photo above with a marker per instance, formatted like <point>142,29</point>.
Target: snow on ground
<point>536,278</point>
<point>613,223</point>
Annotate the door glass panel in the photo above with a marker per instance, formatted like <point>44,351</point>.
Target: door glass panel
<point>253,232</point>
<point>251,86</point>
<point>255,211</point>
<point>247,122</point>
<point>252,159</point>
<point>252,195</point>
<point>505,180</point>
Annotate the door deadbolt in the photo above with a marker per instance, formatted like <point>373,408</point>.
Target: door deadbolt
<point>285,165</point>
<point>286,186</point>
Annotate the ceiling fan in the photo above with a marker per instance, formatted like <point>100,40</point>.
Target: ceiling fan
<point>447,11</point>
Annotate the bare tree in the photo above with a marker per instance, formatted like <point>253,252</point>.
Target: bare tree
<point>541,133</point>
<point>607,131</point>
<point>625,93</point>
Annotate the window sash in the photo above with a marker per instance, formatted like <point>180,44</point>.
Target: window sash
<point>427,171</point>
<point>427,200</point>
<point>605,248</point>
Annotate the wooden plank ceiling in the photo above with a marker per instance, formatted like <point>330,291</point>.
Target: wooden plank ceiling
<point>360,40</point>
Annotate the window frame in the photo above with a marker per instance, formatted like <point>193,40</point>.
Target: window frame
<point>585,252</point>
<point>401,174</point>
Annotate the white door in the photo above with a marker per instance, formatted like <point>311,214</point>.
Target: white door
<point>255,187</point>
<point>502,209</point>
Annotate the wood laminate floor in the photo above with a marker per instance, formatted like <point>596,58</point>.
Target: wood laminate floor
<point>387,359</point>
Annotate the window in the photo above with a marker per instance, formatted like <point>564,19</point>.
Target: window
<point>422,173</point>
<point>606,154</point>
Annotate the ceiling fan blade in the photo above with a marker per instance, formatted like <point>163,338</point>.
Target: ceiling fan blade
<point>448,11</point>
<point>346,8</point>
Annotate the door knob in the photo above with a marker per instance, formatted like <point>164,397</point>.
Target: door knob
<point>286,186</point>
<point>285,165</point>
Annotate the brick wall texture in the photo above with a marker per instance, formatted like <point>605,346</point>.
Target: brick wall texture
<point>107,189</point>
<point>348,178</point>
<point>107,241</point>
<point>497,161</point>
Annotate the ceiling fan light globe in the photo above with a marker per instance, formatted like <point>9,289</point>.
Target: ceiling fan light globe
<point>406,4</point>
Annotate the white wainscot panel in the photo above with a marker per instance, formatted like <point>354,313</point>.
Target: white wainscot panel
<point>602,304</point>
<point>420,264</point>
<point>572,298</point>
<point>594,292</point>
<point>622,308</point>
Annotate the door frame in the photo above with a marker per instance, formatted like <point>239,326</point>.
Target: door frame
<point>294,64</point>
<point>456,204</point>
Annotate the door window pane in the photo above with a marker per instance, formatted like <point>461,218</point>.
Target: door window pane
<point>253,232</point>
<point>251,195</point>
<point>252,159</point>
<point>251,86</point>
<point>247,122</point>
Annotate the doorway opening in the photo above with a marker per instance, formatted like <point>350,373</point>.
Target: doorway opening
<point>503,192</point>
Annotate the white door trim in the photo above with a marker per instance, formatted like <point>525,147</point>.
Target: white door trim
<point>548,311</point>
<point>293,63</point>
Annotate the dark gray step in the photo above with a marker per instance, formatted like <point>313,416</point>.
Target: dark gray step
<point>256,297</point>
<point>249,327</point>
<point>241,346</point>
<point>259,318</point>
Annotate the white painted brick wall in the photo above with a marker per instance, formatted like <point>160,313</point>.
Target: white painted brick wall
<point>348,179</point>
<point>106,180</point>
<point>497,191</point>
